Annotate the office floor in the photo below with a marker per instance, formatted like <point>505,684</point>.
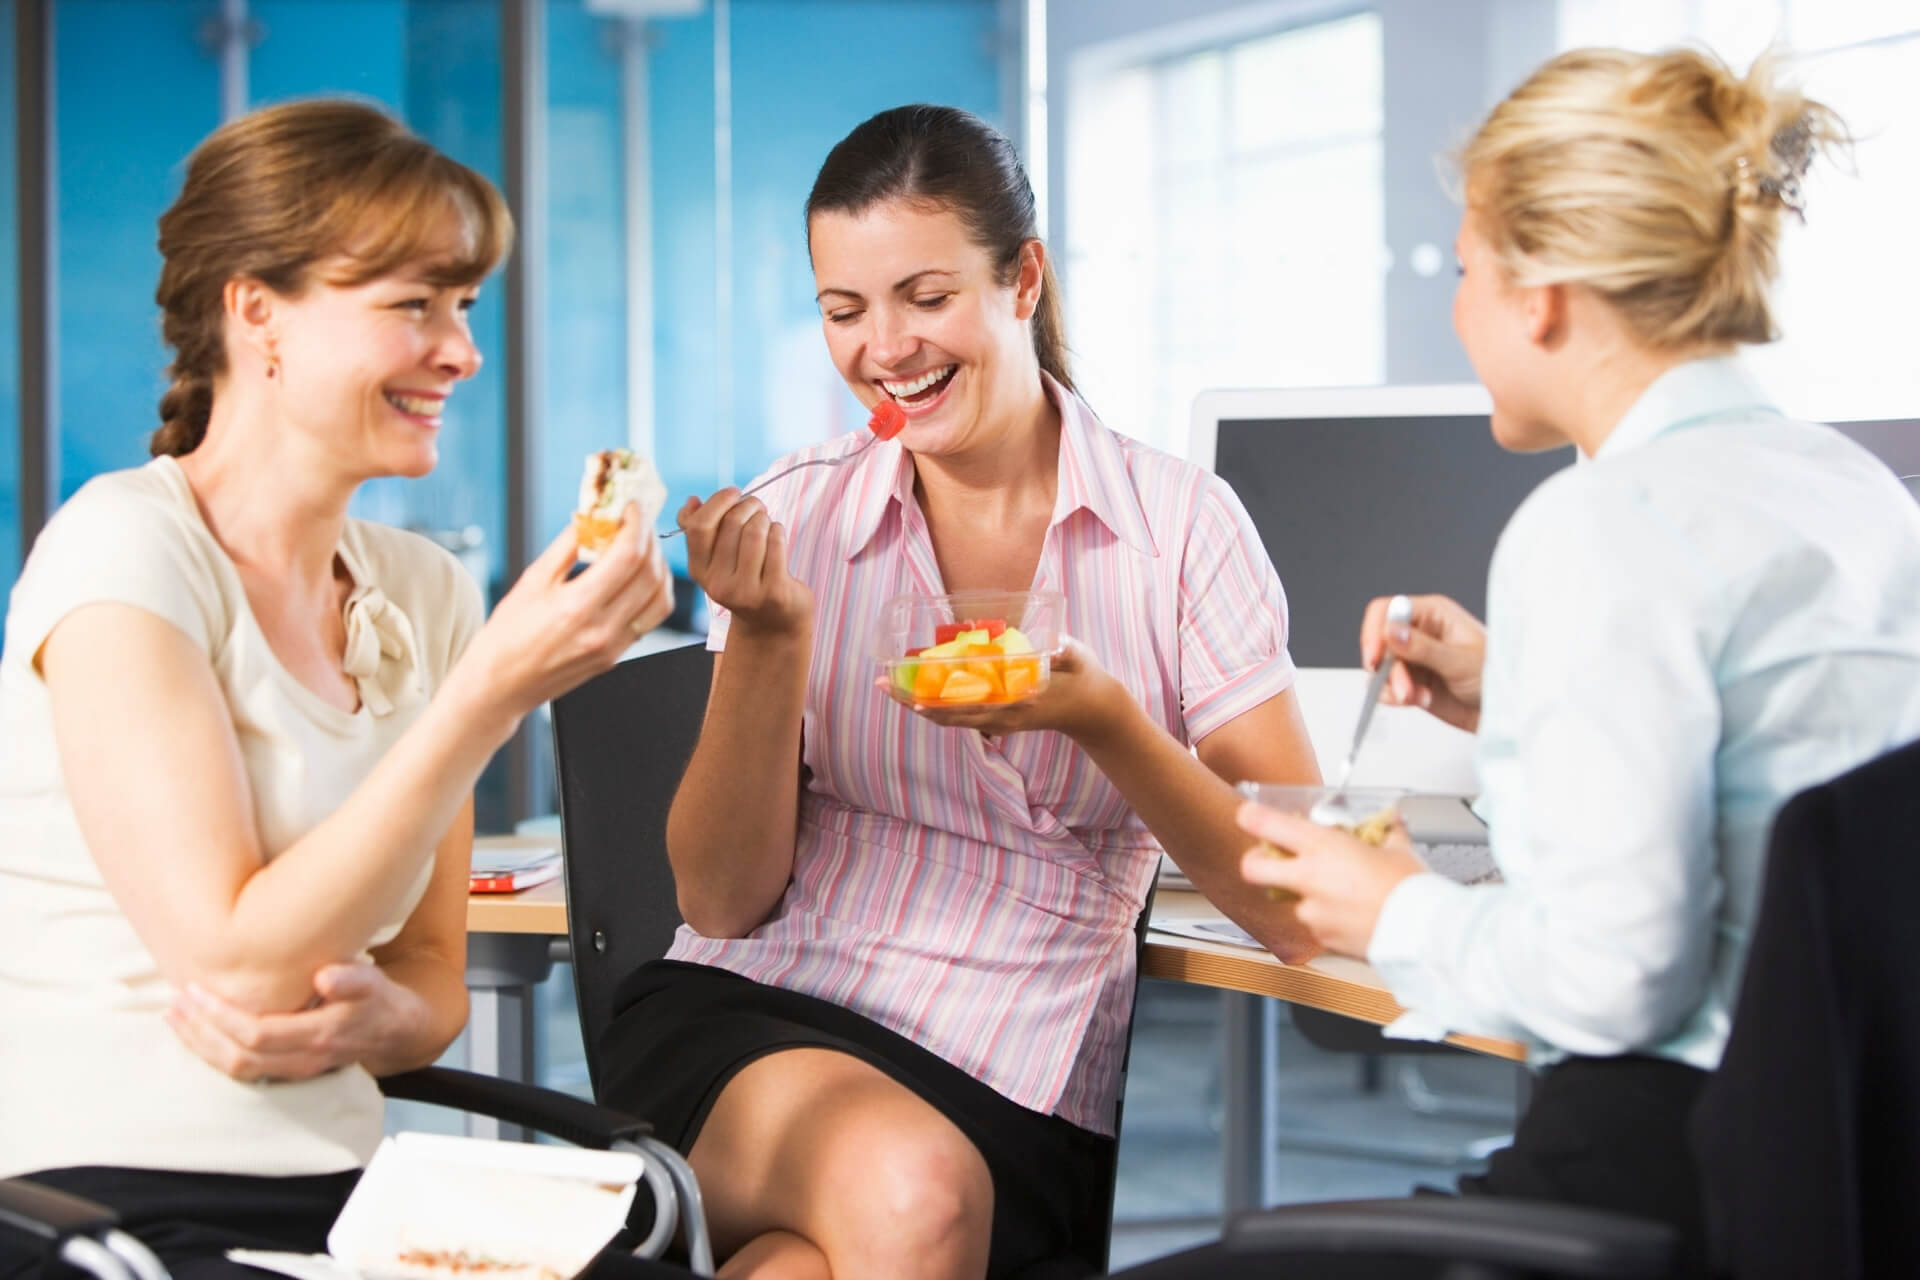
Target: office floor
<point>1170,1183</point>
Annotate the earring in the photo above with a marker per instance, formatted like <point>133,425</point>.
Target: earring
<point>273,366</point>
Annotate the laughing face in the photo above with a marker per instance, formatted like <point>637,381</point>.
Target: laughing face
<point>914,312</point>
<point>367,368</point>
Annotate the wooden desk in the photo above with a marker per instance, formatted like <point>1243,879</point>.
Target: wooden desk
<point>541,909</point>
<point>1333,983</point>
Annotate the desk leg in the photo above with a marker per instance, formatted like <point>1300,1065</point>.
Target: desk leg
<point>502,971</point>
<point>1249,1028</point>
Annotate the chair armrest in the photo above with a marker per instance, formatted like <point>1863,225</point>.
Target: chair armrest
<point>1526,1235</point>
<point>50,1216</point>
<point>561,1115</point>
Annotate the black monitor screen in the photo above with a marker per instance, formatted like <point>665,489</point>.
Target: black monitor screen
<point>1896,441</point>
<point>1351,508</point>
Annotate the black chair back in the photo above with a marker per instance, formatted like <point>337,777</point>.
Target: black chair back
<point>620,745</point>
<point>1808,1134</point>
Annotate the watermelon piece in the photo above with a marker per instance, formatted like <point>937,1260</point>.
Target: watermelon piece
<point>888,419</point>
<point>947,632</point>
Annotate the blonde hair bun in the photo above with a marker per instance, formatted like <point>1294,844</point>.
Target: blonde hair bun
<point>1656,179</point>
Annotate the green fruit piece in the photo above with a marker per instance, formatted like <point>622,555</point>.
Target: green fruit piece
<point>1013,640</point>
<point>903,677</point>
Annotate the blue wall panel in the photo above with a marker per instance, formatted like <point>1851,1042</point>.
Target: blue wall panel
<point>135,91</point>
<point>802,76</point>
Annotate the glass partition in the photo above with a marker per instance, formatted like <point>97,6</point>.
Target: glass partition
<point>10,549</point>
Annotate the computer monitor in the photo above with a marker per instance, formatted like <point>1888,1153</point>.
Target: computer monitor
<point>1895,441</point>
<point>1366,491</point>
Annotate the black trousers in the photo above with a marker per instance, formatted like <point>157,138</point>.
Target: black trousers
<point>191,1219</point>
<point>1604,1133</point>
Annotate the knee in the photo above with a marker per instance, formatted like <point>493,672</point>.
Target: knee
<point>929,1195</point>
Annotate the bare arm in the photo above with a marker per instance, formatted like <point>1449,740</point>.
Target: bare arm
<point>730,833</point>
<point>154,771</point>
<point>394,1014</point>
<point>427,959</point>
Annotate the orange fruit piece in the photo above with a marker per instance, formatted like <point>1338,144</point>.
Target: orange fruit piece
<point>1021,678</point>
<point>965,686</point>
<point>929,680</point>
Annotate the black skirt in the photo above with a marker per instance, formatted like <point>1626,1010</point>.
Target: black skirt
<point>681,1031</point>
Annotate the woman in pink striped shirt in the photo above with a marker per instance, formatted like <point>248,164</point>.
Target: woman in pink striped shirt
<point>890,1034</point>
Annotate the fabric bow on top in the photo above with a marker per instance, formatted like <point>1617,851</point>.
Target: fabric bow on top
<point>377,630</point>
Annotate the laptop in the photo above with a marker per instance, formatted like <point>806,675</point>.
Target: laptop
<point>1447,834</point>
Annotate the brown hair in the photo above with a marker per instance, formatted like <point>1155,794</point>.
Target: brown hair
<point>271,195</point>
<point>950,159</point>
<point>1657,180</point>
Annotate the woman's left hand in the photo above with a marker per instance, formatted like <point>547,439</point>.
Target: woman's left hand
<point>1342,881</point>
<point>358,1011</point>
<point>1080,699</point>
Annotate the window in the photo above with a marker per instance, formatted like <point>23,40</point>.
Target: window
<point>1225,222</point>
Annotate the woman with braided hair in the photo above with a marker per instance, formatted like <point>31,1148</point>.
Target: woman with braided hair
<point>240,730</point>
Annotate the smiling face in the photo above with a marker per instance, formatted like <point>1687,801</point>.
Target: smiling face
<point>366,368</point>
<point>915,312</point>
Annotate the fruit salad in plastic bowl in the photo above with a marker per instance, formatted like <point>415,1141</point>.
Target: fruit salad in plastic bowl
<point>969,647</point>
<point>1373,810</point>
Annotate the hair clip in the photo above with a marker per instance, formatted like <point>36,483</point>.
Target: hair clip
<point>1792,149</point>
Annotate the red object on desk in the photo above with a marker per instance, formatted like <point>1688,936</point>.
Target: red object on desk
<point>513,881</point>
<point>510,870</point>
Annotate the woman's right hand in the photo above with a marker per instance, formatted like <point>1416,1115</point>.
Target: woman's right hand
<point>738,555</point>
<point>1440,654</point>
<point>553,631</point>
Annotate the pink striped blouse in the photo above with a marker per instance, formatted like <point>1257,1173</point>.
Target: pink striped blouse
<point>975,896</point>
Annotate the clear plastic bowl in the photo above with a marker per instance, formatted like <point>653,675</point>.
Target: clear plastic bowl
<point>1363,803</point>
<point>985,669</point>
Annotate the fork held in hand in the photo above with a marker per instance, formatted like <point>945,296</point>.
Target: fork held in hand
<point>885,424</point>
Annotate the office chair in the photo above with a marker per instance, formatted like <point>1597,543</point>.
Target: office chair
<point>1807,1136</point>
<point>86,1235</point>
<point>621,744</point>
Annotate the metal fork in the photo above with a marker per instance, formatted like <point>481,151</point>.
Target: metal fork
<point>782,474</point>
<point>1333,810</point>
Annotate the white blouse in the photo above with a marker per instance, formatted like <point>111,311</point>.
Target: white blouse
<point>1718,610</point>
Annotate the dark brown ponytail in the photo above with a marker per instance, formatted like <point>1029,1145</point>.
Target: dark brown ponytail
<point>954,159</point>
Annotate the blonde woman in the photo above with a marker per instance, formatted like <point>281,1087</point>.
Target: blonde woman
<point>1714,610</point>
<point>239,730</point>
